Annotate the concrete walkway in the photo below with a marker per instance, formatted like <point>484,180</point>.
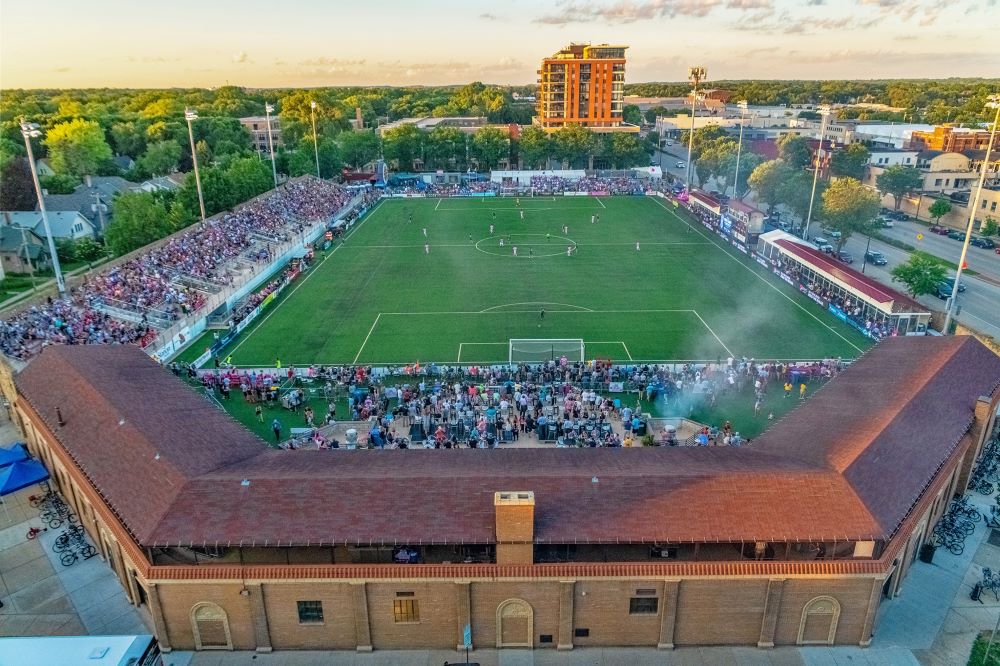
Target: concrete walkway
<point>42,597</point>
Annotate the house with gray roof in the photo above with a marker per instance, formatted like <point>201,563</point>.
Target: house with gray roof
<point>93,199</point>
<point>65,225</point>
<point>21,250</point>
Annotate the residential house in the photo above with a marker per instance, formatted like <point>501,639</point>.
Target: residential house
<point>43,168</point>
<point>945,172</point>
<point>168,183</point>
<point>93,199</point>
<point>65,225</point>
<point>21,250</point>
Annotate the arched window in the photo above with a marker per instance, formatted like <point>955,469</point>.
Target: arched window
<point>515,624</point>
<point>210,627</point>
<point>819,621</point>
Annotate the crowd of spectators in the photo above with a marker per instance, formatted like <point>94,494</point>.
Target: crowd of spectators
<point>558,185</point>
<point>562,402</point>
<point>847,304</point>
<point>152,284</point>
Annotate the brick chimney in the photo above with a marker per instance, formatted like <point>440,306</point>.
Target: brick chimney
<point>515,516</point>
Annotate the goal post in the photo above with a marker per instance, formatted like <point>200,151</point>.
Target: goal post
<point>539,350</point>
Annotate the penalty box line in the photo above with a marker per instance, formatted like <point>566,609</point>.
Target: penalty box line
<point>504,344</point>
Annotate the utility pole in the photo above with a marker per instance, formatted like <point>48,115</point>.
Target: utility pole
<point>739,149</point>
<point>824,112</point>
<point>30,131</point>
<point>695,75</point>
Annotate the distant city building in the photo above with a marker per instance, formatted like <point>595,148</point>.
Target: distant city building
<point>950,139</point>
<point>583,85</point>
<point>887,157</point>
<point>467,124</point>
<point>257,126</point>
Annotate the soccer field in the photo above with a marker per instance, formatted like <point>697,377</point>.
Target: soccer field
<point>382,297</point>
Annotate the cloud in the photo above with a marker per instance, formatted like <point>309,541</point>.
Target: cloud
<point>61,70</point>
<point>883,57</point>
<point>332,62</point>
<point>630,11</point>
<point>241,58</point>
<point>489,17</point>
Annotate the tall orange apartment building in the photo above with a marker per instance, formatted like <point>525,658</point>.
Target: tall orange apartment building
<point>583,85</point>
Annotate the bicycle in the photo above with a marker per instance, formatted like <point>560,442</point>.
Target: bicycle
<point>70,538</point>
<point>991,582</point>
<point>33,532</point>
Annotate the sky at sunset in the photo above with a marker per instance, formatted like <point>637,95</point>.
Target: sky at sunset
<point>301,43</point>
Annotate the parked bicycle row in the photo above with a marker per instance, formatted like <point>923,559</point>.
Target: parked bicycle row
<point>957,524</point>
<point>71,545</point>
<point>986,474</point>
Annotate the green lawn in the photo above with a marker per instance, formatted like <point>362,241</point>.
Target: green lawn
<point>685,295</point>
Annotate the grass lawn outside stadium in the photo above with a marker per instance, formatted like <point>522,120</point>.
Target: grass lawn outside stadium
<point>380,298</point>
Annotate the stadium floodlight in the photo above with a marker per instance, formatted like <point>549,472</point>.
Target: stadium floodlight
<point>312,106</point>
<point>268,110</point>
<point>739,149</point>
<point>993,102</point>
<point>190,115</point>
<point>824,112</point>
<point>32,131</point>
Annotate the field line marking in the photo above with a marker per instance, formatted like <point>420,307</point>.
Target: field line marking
<point>626,244</point>
<point>627,352</point>
<point>459,359</point>
<point>579,308</point>
<point>601,202</point>
<point>438,203</point>
<point>360,349</point>
<point>705,323</point>
<point>758,275</point>
<point>467,312</point>
<point>248,334</point>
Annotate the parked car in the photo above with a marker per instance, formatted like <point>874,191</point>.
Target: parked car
<point>886,222</point>
<point>985,243</point>
<point>943,291</point>
<point>681,165</point>
<point>899,215</point>
<point>956,235</point>
<point>845,257</point>
<point>822,244</point>
<point>876,257</point>
<point>833,233</point>
<point>951,284</point>
<point>939,230</point>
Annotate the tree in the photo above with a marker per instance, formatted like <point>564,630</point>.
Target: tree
<point>796,192</point>
<point>77,148</point>
<point>989,227</point>
<point>88,249</point>
<point>631,114</point>
<point>129,138</point>
<point>795,151</point>
<point>248,177</point>
<point>627,150</point>
<point>59,184</point>
<point>359,147</point>
<point>572,144</point>
<point>717,159</point>
<point>17,188</point>
<point>766,181</point>
<point>403,144</point>
<point>535,147</point>
<point>920,274</point>
<point>489,145</point>
<point>850,162</point>
<point>10,150</point>
<point>939,209</point>
<point>898,180</point>
<point>140,218</point>
<point>748,162</point>
<point>848,206</point>
<point>161,158</point>
<point>444,147</point>
<point>65,250</point>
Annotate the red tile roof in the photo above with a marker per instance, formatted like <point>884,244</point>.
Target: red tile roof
<point>850,277</point>
<point>848,464</point>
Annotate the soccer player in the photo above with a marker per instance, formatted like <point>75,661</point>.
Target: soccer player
<point>517,202</point>
<point>541,315</point>
<point>494,214</point>
<point>470,238</point>
<point>425,232</point>
<point>565,230</point>
<point>501,241</point>
<point>427,248</point>
<point>637,246</point>
<point>522,213</point>
<point>491,230</point>
<point>569,250</point>
<point>410,218</point>
<point>802,391</point>
<point>548,237</point>
<point>531,253</point>
<point>515,250</point>
<point>593,218</point>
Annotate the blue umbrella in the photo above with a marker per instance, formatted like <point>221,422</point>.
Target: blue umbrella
<point>21,475</point>
<point>14,454</point>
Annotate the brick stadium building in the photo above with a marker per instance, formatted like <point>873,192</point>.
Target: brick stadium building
<point>233,545</point>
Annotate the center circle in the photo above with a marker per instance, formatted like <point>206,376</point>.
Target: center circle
<point>550,245</point>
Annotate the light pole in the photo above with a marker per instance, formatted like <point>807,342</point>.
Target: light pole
<point>270,141</point>
<point>695,75</point>
<point>30,131</point>
<point>190,115</point>
<point>824,112</point>
<point>739,149</point>
<point>312,105</point>
<point>993,103</point>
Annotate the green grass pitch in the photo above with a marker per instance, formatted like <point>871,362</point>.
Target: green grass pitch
<point>382,298</point>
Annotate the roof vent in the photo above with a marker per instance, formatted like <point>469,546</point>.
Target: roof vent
<point>121,422</point>
<point>245,483</point>
<point>594,479</point>
<point>59,417</point>
<point>156,457</point>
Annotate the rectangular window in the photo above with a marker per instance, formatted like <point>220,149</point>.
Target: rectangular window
<point>581,633</point>
<point>993,207</point>
<point>643,605</point>
<point>405,610</point>
<point>310,612</point>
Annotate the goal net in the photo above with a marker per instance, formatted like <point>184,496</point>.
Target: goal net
<point>537,350</point>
